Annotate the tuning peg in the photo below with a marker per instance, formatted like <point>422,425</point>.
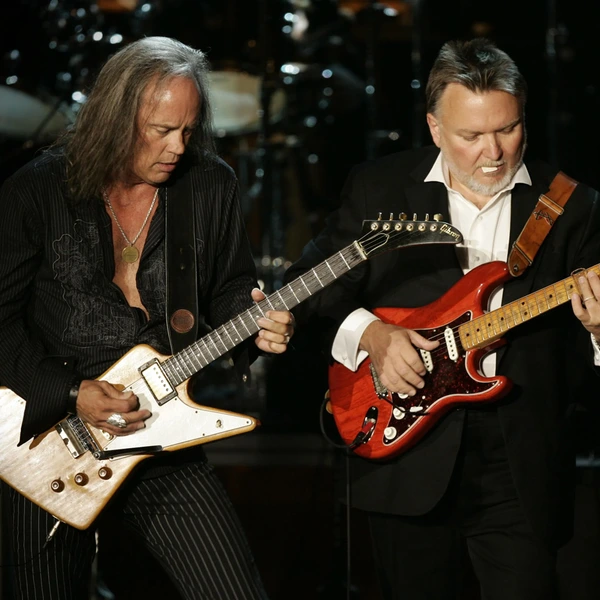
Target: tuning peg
<point>380,216</point>
<point>426,217</point>
<point>391,216</point>
<point>403,216</point>
<point>438,217</point>
<point>415,217</point>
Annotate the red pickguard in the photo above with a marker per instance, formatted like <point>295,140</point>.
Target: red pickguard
<point>451,383</point>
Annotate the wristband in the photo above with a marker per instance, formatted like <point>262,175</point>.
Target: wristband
<point>72,400</point>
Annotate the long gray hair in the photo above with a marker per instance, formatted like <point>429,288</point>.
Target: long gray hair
<point>480,66</point>
<point>100,147</point>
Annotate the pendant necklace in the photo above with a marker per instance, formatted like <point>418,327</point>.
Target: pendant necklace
<point>130,253</point>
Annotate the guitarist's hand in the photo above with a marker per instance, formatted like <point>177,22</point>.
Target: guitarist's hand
<point>97,400</point>
<point>276,327</point>
<point>394,356</point>
<point>586,305</point>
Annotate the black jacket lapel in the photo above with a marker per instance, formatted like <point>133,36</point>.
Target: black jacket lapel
<point>431,198</point>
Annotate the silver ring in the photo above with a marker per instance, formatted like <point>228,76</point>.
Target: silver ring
<point>586,299</point>
<point>117,420</point>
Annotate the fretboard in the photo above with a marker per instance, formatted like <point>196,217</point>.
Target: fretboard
<point>483,330</point>
<point>184,364</point>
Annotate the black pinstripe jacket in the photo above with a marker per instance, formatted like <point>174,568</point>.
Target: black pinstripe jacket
<point>61,316</point>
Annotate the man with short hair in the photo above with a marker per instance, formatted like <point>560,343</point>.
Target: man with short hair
<point>492,476</point>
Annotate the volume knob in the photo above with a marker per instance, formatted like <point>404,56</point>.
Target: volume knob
<point>105,473</point>
<point>57,485</point>
<point>81,479</point>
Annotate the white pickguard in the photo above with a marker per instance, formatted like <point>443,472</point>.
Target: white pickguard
<point>175,422</point>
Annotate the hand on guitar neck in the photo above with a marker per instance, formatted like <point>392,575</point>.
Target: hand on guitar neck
<point>586,304</point>
<point>394,353</point>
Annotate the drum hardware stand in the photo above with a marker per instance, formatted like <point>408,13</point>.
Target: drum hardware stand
<point>417,83</point>
<point>371,89</point>
<point>270,186</point>
<point>340,586</point>
<point>35,136</point>
<point>375,135</point>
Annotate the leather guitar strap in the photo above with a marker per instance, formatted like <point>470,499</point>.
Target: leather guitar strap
<point>548,208</point>
<point>180,261</point>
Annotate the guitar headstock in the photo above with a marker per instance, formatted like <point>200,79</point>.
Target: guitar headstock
<point>380,235</point>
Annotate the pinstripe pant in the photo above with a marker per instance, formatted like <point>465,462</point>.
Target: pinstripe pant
<point>185,519</point>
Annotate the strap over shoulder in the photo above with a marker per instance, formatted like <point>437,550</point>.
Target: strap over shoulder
<point>547,210</point>
<point>180,262</point>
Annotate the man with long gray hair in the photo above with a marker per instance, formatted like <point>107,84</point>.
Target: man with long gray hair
<point>84,279</point>
<point>486,479</point>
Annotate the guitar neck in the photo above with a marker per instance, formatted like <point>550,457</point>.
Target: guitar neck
<point>484,330</point>
<point>184,364</point>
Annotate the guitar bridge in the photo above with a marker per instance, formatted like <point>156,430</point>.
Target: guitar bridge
<point>380,389</point>
<point>75,435</point>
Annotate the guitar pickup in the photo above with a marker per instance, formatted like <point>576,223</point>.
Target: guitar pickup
<point>427,359</point>
<point>451,344</point>
<point>157,382</point>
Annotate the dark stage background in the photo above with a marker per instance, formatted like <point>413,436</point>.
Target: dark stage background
<point>338,82</point>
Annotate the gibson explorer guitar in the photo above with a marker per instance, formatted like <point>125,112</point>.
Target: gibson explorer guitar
<point>378,424</point>
<point>73,469</point>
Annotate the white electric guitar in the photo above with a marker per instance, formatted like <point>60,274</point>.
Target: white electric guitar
<point>73,469</point>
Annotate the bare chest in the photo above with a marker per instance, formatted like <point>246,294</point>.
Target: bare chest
<point>129,239</point>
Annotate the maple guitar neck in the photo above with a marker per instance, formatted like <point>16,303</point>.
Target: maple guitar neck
<point>484,330</point>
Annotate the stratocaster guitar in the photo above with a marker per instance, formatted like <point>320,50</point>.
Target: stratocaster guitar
<point>377,424</point>
<point>73,469</point>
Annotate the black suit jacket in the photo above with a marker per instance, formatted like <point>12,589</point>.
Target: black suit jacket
<point>539,358</point>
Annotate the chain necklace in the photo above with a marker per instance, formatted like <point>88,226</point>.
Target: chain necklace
<point>130,253</point>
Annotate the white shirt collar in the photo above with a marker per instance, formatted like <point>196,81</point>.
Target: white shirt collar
<point>439,172</point>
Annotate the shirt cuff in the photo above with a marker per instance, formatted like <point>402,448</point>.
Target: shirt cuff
<point>345,345</point>
<point>596,347</point>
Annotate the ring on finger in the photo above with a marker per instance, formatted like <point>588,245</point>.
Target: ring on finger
<point>117,420</point>
<point>584,300</point>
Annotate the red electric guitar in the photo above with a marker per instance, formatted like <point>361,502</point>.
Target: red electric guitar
<point>378,424</point>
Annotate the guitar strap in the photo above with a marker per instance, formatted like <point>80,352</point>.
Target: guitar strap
<point>180,262</point>
<point>548,208</point>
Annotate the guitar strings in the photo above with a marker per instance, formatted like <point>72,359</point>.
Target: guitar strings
<point>229,332</point>
<point>455,330</point>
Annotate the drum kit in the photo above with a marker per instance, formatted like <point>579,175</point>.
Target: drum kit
<point>292,119</point>
<point>56,48</point>
<point>289,110</point>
